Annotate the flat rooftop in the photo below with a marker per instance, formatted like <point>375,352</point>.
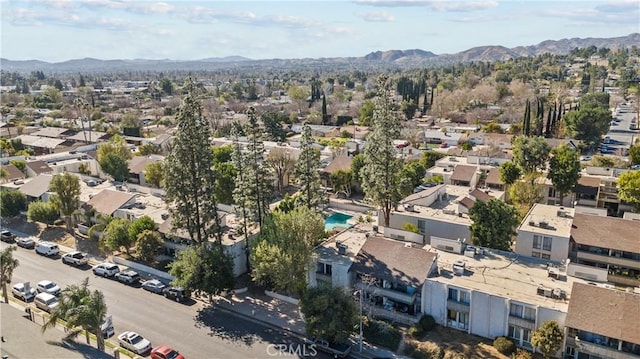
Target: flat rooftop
<point>353,239</point>
<point>555,224</point>
<point>507,275</point>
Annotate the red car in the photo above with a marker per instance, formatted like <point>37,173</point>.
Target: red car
<point>165,352</point>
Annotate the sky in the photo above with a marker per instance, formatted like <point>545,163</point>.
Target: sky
<point>59,30</point>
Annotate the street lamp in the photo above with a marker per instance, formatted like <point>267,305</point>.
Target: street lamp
<point>364,279</point>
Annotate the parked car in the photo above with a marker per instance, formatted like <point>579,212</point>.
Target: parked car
<point>177,293</point>
<point>46,301</point>
<point>47,286</point>
<point>337,350</point>
<point>134,342</point>
<point>26,242</point>
<point>76,258</point>
<point>154,286</point>
<point>23,291</point>
<point>107,327</point>
<point>165,352</point>
<point>47,249</point>
<point>7,236</point>
<point>128,277</point>
<point>106,269</point>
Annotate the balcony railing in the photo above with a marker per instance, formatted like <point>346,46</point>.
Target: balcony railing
<point>394,316</point>
<point>457,325</point>
<point>603,258</point>
<point>602,350</point>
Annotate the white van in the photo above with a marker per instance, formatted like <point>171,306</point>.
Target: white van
<point>47,249</point>
<point>46,301</point>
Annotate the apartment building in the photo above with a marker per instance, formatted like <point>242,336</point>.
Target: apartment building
<point>389,273</point>
<point>545,232</point>
<point>602,323</point>
<point>492,293</point>
<point>605,249</point>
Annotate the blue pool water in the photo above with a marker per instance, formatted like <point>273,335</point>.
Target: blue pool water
<point>336,220</point>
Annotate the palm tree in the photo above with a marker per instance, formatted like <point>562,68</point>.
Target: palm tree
<point>81,308</point>
<point>7,265</point>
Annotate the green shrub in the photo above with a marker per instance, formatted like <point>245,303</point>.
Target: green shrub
<point>381,333</point>
<point>523,354</point>
<point>419,329</point>
<point>453,355</point>
<point>427,323</point>
<point>504,345</point>
<point>415,332</point>
<point>428,350</point>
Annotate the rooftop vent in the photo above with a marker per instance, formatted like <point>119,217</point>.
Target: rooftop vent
<point>543,224</point>
<point>342,249</point>
<point>458,267</point>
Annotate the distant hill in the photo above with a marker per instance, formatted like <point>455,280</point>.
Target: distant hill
<point>374,60</point>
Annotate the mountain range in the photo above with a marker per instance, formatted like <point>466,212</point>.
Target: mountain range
<point>379,59</point>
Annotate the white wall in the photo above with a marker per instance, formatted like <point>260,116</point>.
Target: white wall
<point>489,314</point>
<point>441,243</point>
<point>587,272</point>
<point>403,235</point>
<point>434,301</point>
<point>559,245</point>
<point>433,226</point>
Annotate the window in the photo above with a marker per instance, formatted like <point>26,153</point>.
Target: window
<point>515,333</point>
<point>546,244</point>
<point>537,241</point>
<point>421,226</point>
<point>323,268</point>
<point>521,311</point>
<point>526,338</point>
<point>452,315</point>
<point>516,310</point>
<point>535,254</point>
<point>529,313</point>
<point>546,256</point>
<point>453,294</point>
<point>465,297</point>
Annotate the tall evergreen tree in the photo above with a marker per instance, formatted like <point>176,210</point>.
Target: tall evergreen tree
<point>381,175</point>
<point>260,178</point>
<point>190,180</point>
<point>241,195</point>
<point>564,170</point>
<point>307,171</point>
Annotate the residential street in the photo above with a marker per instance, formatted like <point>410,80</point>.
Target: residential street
<point>196,331</point>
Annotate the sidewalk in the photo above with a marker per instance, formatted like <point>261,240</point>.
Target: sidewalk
<point>23,339</point>
<point>278,314</point>
<point>260,308</point>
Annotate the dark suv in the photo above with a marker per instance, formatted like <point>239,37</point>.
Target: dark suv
<point>7,236</point>
<point>177,293</point>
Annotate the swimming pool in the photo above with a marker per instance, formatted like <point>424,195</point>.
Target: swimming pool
<point>337,219</point>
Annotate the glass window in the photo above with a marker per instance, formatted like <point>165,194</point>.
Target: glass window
<point>529,313</point>
<point>514,333</point>
<point>526,338</point>
<point>537,241</point>
<point>546,256</point>
<point>535,254</point>
<point>452,315</point>
<point>421,226</point>
<point>515,310</point>
<point>465,297</point>
<point>328,269</point>
<point>463,318</point>
<point>453,294</point>
<point>546,244</point>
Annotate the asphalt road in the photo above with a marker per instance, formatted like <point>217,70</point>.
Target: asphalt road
<point>193,329</point>
<point>622,137</point>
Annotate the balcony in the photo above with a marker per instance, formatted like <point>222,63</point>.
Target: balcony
<point>393,315</point>
<point>623,280</point>
<point>601,258</point>
<point>457,306</point>
<point>457,325</point>
<point>323,276</point>
<point>522,323</point>
<point>602,351</point>
<point>395,295</point>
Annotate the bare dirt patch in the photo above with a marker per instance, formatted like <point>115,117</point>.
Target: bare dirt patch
<point>469,346</point>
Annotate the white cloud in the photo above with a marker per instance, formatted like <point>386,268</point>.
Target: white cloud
<point>376,16</point>
<point>436,5</point>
